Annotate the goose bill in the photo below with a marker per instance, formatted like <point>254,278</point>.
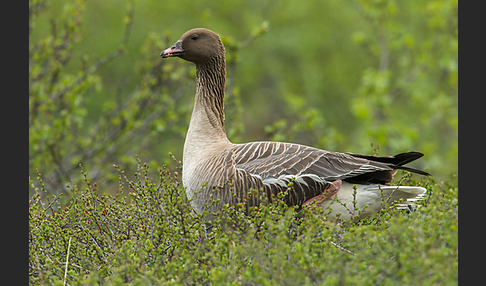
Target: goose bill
<point>175,51</point>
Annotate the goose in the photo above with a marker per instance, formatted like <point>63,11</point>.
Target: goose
<point>216,171</point>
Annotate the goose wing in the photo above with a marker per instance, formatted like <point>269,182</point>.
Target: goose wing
<point>275,159</point>
<point>300,172</point>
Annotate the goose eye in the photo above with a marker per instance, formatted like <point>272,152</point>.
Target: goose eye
<point>194,37</point>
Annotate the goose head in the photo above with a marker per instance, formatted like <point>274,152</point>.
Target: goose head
<point>198,45</point>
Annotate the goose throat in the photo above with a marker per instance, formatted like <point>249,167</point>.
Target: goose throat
<point>211,80</point>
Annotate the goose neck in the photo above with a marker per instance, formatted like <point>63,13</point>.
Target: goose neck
<point>211,80</point>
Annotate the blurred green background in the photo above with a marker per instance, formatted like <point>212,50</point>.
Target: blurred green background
<point>361,76</point>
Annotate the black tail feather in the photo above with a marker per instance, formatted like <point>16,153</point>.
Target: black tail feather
<point>413,170</point>
<point>397,161</point>
<point>404,158</point>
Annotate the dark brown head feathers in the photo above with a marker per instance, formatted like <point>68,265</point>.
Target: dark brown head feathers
<point>197,45</point>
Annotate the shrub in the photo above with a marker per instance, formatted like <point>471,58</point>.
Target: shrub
<point>147,233</point>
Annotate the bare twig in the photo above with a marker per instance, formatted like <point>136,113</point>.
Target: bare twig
<point>67,260</point>
<point>342,248</point>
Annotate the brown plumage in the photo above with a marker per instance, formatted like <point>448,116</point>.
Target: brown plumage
<point>216,169</point>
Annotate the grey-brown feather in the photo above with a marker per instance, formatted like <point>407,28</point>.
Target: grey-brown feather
<point>273,159</point>
<point>224,180</point>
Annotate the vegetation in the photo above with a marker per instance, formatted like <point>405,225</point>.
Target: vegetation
<point>146,234</point>
<point>359,76</point>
